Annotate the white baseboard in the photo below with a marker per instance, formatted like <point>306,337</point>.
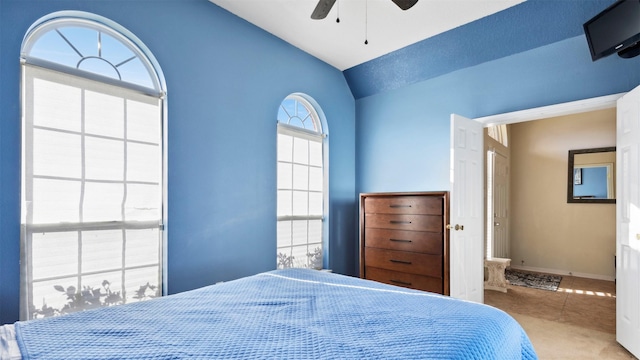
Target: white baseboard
<point>564,272</point>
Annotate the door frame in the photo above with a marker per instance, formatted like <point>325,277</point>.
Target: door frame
<point>568,108</point>
<point>544,112</point>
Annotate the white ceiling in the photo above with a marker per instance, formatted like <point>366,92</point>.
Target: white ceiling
<point>385,26</point>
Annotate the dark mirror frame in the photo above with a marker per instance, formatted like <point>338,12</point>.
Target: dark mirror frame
<point>570,198</point>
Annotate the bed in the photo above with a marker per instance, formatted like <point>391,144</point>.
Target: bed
<point>281,314</point>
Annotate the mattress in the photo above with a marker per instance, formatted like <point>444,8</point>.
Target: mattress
<point>282,314</point>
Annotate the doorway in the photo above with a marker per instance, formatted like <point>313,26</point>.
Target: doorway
<point>608,102</point>
<point>548,234</point>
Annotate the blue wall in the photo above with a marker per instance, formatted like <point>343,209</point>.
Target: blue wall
<point>403,134</point>
<point>225,80</point>
<point>594,183</point>
<point>529,25</point>
<point>530,55</point>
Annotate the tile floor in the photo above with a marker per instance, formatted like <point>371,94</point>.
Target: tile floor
<point>581,315</point>
<point>578,301</point>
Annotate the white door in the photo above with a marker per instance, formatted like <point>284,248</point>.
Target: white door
<point>500,207</point>
<point>628,223</point>
<point>466,239</point>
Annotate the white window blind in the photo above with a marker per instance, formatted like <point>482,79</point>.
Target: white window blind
<point>91,194</point>
<point>300,183</point>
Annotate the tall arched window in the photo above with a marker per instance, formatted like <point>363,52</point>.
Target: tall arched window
<point>92,167</point>
<point>301,184</point>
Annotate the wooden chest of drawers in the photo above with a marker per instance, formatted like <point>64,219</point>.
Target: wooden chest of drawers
<point>404,241</point>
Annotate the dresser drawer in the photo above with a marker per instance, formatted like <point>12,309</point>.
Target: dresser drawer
<point>404,222</point>
<point>416,241</point>
<point>419,282</point>
<point>404,261</point>
<point>425,205</point>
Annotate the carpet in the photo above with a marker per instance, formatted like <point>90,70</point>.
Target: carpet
<point>533,280</point>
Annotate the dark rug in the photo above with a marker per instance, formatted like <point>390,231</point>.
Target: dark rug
<point>533,280</point>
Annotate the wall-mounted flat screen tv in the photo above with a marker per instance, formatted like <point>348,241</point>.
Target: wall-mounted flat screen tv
<point>615,30</point>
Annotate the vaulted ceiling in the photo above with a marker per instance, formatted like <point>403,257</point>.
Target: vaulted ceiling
<point>431,38</point>
<point>383,24</point>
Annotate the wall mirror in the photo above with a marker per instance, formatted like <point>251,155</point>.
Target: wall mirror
<point>591,176</point>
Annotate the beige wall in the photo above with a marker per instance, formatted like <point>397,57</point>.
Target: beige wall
<point>546,232</point>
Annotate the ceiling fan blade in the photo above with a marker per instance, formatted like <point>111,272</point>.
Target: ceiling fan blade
<point>405,4</point>
<point>322,9</point>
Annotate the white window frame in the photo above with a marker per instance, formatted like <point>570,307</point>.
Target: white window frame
<point>32,65</point>
<point>320,136</point>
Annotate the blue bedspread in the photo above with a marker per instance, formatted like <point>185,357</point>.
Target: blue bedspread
<point>283,314</point>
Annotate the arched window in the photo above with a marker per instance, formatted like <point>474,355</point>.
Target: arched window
<point>301,184</point>
<point>92,167</point>
<point>499,134</point>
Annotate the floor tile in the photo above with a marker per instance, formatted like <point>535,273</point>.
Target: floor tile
<point>577,321</point>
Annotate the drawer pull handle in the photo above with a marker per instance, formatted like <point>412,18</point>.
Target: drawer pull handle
<point>400,282</point>
<point>400,262</point>
<point>399,206</point>
<point>400,240</point>
<point>399,222</point>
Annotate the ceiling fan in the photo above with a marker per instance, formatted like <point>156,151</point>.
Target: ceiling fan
<point>324,6</point>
